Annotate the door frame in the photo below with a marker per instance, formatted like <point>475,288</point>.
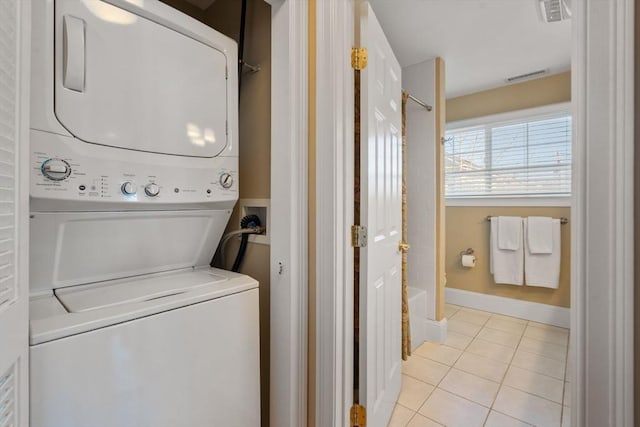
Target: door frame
<point>334,211</point>
<point>289,210</point>
<point>602,211</point>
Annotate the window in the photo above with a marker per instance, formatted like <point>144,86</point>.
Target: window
<point>530,156</point>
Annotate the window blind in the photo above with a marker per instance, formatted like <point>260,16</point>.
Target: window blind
<point>526,157</point>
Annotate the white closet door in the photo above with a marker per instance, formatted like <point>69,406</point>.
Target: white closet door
<point>381,213</point>
<point>14,77</point>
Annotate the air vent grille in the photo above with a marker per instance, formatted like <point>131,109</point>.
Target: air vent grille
<point>8,399</point>
<point>554,10</point>
<point>526,76</point>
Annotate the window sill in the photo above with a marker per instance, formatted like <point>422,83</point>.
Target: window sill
<point>509,201</point>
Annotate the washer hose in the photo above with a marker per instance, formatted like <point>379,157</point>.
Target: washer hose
<point>249,221</point>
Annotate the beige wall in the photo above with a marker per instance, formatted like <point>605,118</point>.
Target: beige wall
<point>533,93</point>
<point>187,8</point>
<point>255,151</point>
<point>467,227</point>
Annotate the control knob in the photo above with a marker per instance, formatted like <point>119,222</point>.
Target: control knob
<point>152,189</point>
<point>226,180</point>
<point>128,188</point>
<point>56,169</point>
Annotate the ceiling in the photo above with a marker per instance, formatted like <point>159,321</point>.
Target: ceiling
<point>482,41</point>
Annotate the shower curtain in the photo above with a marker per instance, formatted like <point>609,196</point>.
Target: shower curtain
<point>406,331</point>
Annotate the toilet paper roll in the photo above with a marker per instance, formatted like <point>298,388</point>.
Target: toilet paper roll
<point>468,261</point>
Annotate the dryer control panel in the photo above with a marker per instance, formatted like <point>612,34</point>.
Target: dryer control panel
<point>116,175</point>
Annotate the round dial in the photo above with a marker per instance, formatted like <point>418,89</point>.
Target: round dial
<point>128,188</point>
<point>226,180</point>
<point>152,189</point>
<point>56,169</point>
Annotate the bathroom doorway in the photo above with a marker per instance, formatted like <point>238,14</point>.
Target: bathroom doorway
<point>497,144</point>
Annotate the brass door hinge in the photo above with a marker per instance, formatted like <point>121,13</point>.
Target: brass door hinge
<point>403,247</point>
<point>358,416</point>
<point>358,236</point>
<point>358,58</point>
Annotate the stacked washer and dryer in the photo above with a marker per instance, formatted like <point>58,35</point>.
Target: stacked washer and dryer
<point>134,174</point>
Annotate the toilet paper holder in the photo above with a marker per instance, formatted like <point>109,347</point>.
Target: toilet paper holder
<point>468,251</point>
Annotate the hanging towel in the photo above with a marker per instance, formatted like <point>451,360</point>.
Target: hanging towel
<point>540,234</point>
<point>509,233</point>
<point>544,269</point>
<point>507,266</point>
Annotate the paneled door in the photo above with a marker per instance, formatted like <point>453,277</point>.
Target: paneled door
<point>14,53</point>
<point>381,213</point>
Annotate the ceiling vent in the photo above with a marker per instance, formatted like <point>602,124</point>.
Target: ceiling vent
<point>527,76</point>
<point>555,10</point>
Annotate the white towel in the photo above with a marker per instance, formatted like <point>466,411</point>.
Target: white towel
<point>544,269</point>
<point>509,233</point>
<point>507,266</point>
<point>540,234</point>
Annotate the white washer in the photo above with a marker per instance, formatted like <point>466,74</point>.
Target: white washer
<point>166,350</point>
<point>134,164</point>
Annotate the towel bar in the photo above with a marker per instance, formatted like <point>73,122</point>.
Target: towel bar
<point>563,220</point>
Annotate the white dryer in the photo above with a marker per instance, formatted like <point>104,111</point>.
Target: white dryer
<point>134,163</point>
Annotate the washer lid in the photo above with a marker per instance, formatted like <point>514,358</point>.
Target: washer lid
<point>50,321</point>
<point>79,299</point>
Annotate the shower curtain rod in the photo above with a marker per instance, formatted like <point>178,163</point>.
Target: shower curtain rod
<point>417,101</point>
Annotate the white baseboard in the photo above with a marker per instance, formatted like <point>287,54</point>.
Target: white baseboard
<point>435,331</point>
<point>418,334</point>
<point>543,313</point>
<point>423,330</point>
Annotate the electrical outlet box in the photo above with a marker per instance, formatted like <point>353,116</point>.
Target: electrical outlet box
<point>259,207</point>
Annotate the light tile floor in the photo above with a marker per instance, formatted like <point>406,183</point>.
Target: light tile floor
<point>492,371</point>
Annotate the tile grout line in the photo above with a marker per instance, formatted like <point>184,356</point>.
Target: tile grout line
<point>410,418</point>
<point>509,364</point>
<point>447,373</point>
<point>540,373</point>
<point>564,385</point>
<point>462,397</point>
<point>548,343</point>
<point>484,325</point>
<point>526,392</point>
<point>531,394</point>
<point>512,417</point>
<point>416,412</point>
<point>504,376</point>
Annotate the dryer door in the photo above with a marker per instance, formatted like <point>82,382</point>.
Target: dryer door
<point>140,81</point>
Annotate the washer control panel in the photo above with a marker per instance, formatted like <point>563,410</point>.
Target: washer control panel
<point>151,189</point>
<point>70,177</point>
<point>55,169</point>
<point>226,180</point>
<point>128,188</point>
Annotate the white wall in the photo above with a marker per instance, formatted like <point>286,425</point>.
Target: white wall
<point>419,81</point>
